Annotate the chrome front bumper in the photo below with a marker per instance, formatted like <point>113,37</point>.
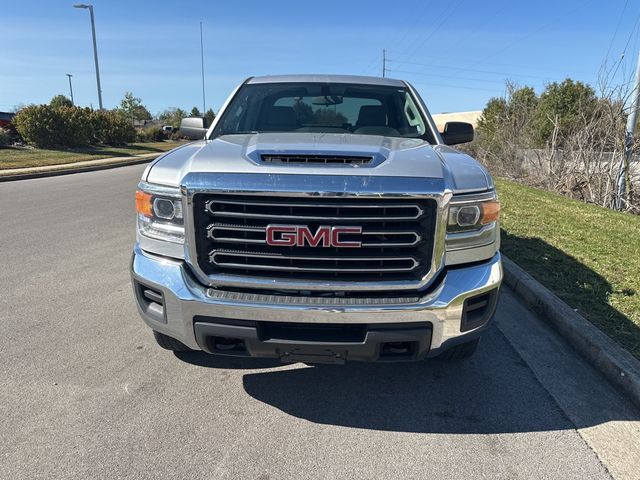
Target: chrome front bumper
<point>184,298</point>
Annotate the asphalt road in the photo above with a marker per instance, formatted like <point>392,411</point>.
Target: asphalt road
<point>86,393</point>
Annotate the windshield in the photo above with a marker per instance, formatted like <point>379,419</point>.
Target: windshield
<point>324,108</point>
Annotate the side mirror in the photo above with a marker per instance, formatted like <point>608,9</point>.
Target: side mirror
<point>457,132</point>
<point>194,128</point>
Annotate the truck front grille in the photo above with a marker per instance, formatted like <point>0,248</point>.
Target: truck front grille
<point>396,238</point>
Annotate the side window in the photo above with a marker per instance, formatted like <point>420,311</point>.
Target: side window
<point>413,117</point>
<point>232,118</point>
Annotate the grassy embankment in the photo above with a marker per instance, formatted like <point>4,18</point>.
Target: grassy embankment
<point>588,255</point>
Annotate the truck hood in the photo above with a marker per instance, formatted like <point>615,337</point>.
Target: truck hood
<point>392,157</point>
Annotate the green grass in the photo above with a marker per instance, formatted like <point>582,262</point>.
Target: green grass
<point>588,255</point>
<point>15,157</point>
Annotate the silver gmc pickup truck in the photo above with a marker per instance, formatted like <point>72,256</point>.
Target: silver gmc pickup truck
<point>322,219</point>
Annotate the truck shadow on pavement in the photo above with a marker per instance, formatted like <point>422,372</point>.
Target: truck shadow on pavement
<point>202,359</point>
<point>493,392</point>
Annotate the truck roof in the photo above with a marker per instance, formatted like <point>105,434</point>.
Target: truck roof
<point>310,78</point>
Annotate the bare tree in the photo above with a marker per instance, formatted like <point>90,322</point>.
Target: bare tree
<point>580,159</point>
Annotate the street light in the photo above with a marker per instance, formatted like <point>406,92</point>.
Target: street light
<point>70,88</point>
<point>95,48</point>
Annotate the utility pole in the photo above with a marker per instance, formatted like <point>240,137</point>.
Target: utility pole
<point>204,107</point>
<point>95,49</point>
<point>70,88</point>
<point>623,173</point>
<point>384,62</point>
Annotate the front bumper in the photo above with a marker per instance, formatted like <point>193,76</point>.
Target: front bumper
<point>173,302</point>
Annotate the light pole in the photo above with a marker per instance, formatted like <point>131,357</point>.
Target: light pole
<point>70,88</point>
<point>95,48</point>
<point>204,105</point>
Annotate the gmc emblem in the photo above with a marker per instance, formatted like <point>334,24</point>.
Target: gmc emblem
<point>301,235</point>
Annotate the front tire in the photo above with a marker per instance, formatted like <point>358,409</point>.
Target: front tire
<point>170,343</point>
<point>460,352</point>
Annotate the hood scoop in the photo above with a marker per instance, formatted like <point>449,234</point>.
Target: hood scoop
<point>315,159</point>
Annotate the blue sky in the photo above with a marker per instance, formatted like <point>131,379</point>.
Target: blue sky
<point>458,53</point>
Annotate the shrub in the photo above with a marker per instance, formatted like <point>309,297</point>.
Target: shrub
<point>37,124</point>
<point>77,131</point>
<point>5,137</point>
<point>46,126</point>
<point>111,128</point>
<point>64,126</point>
<point>151,134</point>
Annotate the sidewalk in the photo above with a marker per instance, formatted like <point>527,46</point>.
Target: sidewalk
<point>76,167</point>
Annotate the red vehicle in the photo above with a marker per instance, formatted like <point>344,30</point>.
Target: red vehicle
<point>5,122</point>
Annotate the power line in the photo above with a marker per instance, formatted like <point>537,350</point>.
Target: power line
<point>372,65</point>
<point>524,37</point>
<point>417,20</point>
<point>615,33</point>
<point>493,64</point>
<point>624,51</point>
<point>390,60</point>
<point>635,26</point>
<point>447,12</point>
<point>482,80</point>
<point>476,28</point>
<point>459,87</point>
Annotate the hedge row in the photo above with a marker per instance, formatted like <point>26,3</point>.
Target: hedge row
<point>64,126</point>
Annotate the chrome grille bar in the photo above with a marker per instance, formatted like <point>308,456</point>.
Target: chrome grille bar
<point>275,203</point>
<point>411,263</point>
<point>310,217</point>
<point>393,212</point>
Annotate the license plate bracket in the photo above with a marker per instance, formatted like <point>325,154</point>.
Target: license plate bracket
<point>327,357</point>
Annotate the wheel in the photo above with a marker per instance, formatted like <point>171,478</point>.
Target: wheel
<point>170,343</point>
<point>459,352</point>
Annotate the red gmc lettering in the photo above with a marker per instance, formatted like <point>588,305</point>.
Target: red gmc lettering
<point>301,235</point>
<point>287,235</point>
<point>337,231</point>
<point>323,234</point>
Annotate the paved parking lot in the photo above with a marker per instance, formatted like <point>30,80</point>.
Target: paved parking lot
<point>86,393</point>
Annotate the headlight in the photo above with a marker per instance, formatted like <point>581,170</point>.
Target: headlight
<point>159,211</point>
<point>472,228</point>
<point>468,214</point>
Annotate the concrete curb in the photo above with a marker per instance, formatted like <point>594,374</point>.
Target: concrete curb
<point>69,168</point>
<point>617,365</point>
